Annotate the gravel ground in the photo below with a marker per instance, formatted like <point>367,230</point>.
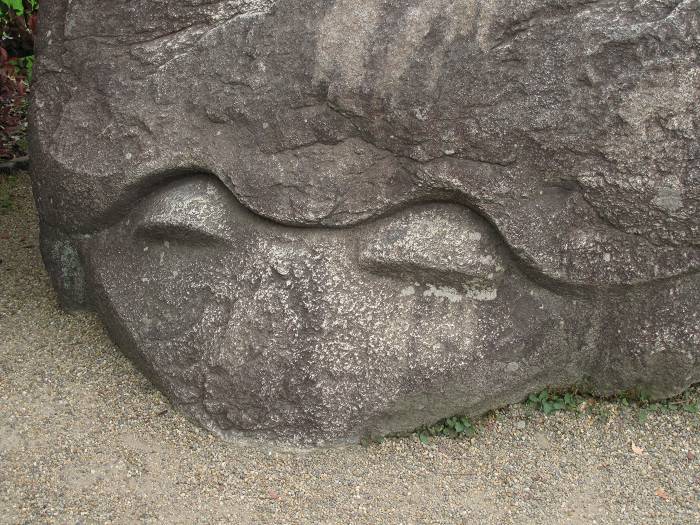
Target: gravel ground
<point>84,438</point>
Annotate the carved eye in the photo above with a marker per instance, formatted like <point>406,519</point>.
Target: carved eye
<point>436,243</point>
<point>190,212</point>
<point>180,231</point>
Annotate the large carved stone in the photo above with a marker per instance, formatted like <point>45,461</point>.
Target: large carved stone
<point>316,220</point>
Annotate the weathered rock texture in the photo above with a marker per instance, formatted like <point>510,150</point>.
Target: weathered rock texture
<point>320,219</point>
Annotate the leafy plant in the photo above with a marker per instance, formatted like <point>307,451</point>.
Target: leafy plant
<point>7,184</point>
<point>686,402</point>
<point>549,402</point>
<point>20,6</point>
<point>16,5</point>
<point>17,26</point>
<point>451,427</point>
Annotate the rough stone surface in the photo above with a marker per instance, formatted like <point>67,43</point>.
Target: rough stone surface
<point>318,220</point>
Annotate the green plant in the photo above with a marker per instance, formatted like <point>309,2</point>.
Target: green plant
<point>549,402</point>
<point>20,6</point>
<point>451,427</point>
<point>17,27</point>
<point>686,402</point>
<point>7,184</point>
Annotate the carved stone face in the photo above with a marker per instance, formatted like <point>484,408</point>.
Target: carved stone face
<point>283,330</point>
<point>320,220</point>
